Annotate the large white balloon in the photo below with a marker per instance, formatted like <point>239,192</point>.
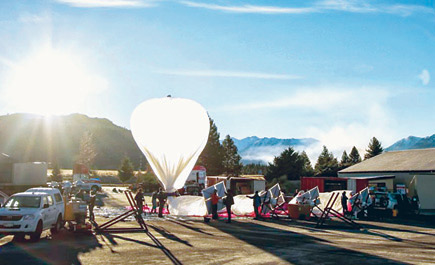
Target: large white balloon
<point>171,132</point>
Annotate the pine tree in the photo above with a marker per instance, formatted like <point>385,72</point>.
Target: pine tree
<point>231,163</point>
<point>288,164</point>
<point>87,151</point>
<point>326,165</point>
<point>212,155</point>
<point>125,171</point>
<point>308,170</point>
<point>345,160</point>
<point>354,156</point>
<point>374,148</point>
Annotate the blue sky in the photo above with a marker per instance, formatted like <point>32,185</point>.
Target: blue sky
<point>339,71</point>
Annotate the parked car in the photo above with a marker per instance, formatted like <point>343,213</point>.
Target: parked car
<point>385,200</point>
<point>31,213</point>
<point>88,184</point>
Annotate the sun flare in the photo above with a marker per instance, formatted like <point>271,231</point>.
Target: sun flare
<point>51,82</point>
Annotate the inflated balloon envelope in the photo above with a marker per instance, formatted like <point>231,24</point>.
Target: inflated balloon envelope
<point>171,133</point>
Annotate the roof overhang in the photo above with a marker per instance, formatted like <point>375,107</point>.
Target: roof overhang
<point>373,177</point>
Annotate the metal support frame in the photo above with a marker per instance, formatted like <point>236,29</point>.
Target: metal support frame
<point>106,227</point>
<point>273,212</point>
<point>328,209</point>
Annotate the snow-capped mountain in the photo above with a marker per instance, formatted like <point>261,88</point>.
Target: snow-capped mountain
<point>413,142</point>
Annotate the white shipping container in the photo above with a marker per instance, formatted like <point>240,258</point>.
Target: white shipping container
<point>31,173</point>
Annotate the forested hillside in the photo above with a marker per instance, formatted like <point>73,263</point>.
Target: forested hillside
<point>27,137</point>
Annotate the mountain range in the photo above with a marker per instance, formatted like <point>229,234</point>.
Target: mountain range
<point>413,142</point>
<point>28,137</point>
<point>262,150</point>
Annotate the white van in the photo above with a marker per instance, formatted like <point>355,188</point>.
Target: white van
<point>31,213</point>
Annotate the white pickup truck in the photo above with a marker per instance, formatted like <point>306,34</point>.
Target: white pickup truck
<point>32,212</point>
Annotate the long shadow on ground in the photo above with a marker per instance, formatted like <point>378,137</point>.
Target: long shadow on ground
<point>162,231</point>
<point>294,247</point>
<point>62,249</point>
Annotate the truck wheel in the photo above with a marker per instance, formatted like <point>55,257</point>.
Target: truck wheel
<point>19,237</point>
<point>35,236</point>
<point>57,226</point>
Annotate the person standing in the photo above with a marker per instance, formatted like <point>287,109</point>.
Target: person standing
<point>256,202</point>
<point>154,201</point>
<point>229,200</point>
<point>214,204</point>
<point>91,206</point>
<point>356,207</point>
<point>344,202</point>
<point>139,201</point>
<point>162,200</point>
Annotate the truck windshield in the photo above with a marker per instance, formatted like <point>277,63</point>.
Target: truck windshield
<point>23,202</point>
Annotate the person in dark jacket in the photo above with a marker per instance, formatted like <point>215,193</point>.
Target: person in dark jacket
<point>139,200</point>
<point>229,200</point>
<point>344,202</point>
<point>256,202</point>
<point>154,201</point>
<point>161,196</point>
<point>92,200</point>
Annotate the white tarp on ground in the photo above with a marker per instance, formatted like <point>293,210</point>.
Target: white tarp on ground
<point>187,205</point>
<point>242,205</point>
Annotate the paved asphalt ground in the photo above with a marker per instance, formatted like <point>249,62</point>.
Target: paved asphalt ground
<point>244,241</point>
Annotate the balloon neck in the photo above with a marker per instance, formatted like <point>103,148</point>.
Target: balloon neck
<point>172,193</point>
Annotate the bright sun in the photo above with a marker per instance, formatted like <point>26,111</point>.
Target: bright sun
<point>50,82</point>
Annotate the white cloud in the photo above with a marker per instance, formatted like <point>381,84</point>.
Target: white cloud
<point>320,99</point>
<point>424,76</point>
<point>236,74</point>
<point>350,6</point>
<point>251,8</point>
<point>107,3</point>
<point>347,6</point>
<point>340,136</point>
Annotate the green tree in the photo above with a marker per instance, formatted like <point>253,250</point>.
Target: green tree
<point>345,160</point>
<point>354,156</point>
<point>326,165</point>
<point>149,181</point>
<point>125,171</point>
<point>308,170</point>
<point>87,151</point>
<point>231,163</point>
<point>212,155</point>
<point>288,163</point>
<point>374,148</point>
<point>55,173</point>
<point>287,186</point>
